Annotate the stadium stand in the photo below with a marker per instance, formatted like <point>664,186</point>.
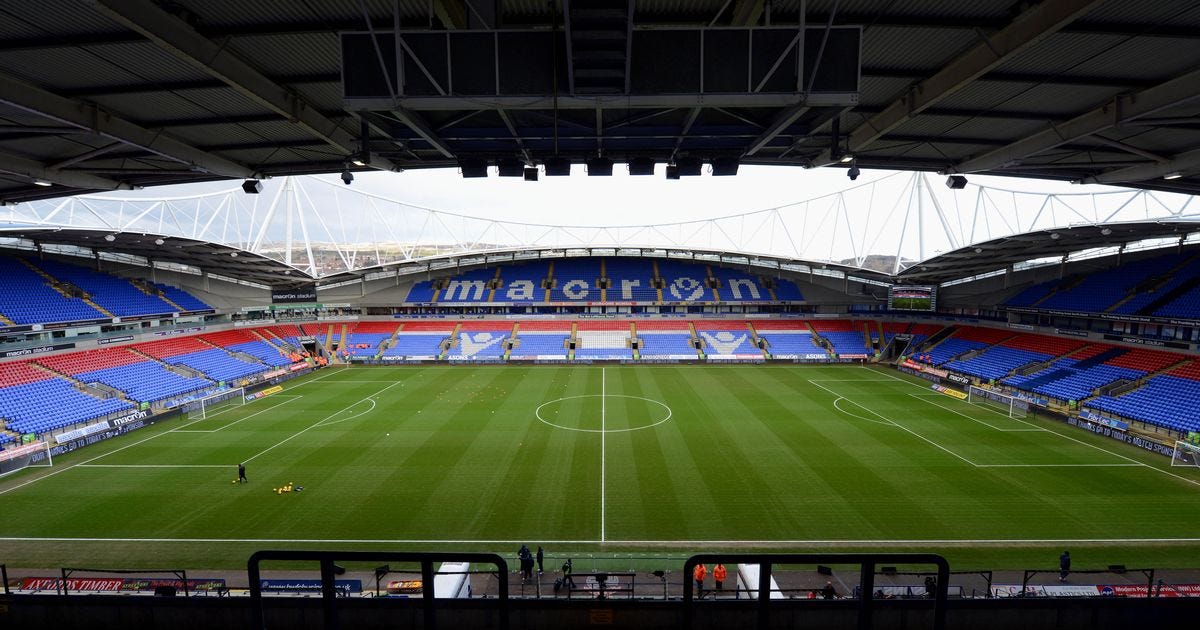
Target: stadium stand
<point>541,340</point>
<point>184,299</point>
<point>665,340</point>
<point>146,381</point>
<point>115,295</point>
<point>787,338</point>
<point>603,340</point>
<point>1139,287</point>
<point>1167,400</point>
<point>25,391</point>
<point>631,280</point>
<point>420,339</point>
<point>576,279</point>
<point>480,340</point>
<point>844,336</point>
<point>963,340</point>
<point>727,338</point>
<point>27,298</point>
<point>523,283</point>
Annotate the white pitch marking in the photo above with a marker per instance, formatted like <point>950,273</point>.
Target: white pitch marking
<point>929,399</point>
<point>603,399</point>
<point>893,423</point>
<point>318,423</point>
<point>182,430</point>
<point>156,465</point>
<point>854,415</point>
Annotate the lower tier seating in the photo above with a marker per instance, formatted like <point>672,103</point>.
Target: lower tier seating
<point>26,410</point>
<point>146,382</point>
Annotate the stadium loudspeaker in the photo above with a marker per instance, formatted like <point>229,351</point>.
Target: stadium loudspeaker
<point>599,166</point>
<point>473,167</point>
<point>164,591</point>
<point>724,166</point>
<point>824,570</point>
<point>956,182</point>
<point>531,173</point>
<point>689,166</point>
<point>510,167</point>
<point>641,166</point>
<point>558,167</point>
<point>252,186</point>
<point>672,171</point>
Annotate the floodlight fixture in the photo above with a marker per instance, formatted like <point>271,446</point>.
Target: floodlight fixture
<point>558,167</point>
<point>599,167</point>
<point>510,167</point>
<point>473,167</point>
<point>689,166</point>
<point>41,182</point>
<point>159,241</point>
<point>846,159</point>
<point>1173,175</point>
<point>110,238</point>
<point>641,166</point>
<point>724,166</point>
<point>1106,231</point>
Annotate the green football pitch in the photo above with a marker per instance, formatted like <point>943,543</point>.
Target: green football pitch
<point>620,459</point>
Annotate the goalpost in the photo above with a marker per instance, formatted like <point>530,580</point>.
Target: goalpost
<point>1011,406</point>
<point>32,455</point>
<point>220,401</point>
<point>1186,454</point>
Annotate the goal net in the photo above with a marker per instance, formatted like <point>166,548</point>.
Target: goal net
<point>212,404</point>
<point>1186,454</point>
<point>1008,405</point>
<point>31,455</point>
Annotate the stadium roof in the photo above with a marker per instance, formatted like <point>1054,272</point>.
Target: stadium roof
<point>148,248</point>
<point>111,94</point>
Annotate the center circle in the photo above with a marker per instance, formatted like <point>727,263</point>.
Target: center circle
<point>651,423</point>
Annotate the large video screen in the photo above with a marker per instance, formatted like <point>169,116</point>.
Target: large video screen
<point>912,298</point>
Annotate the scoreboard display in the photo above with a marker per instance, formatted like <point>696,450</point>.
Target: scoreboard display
<point>912,298</point>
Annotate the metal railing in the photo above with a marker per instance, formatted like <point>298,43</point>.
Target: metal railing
<point>868,562</point>
<point>329,571</point>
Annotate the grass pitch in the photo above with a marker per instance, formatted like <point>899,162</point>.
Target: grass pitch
<point>655,459</point>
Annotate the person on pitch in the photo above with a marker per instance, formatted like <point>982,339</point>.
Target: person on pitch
<point>242,472</point>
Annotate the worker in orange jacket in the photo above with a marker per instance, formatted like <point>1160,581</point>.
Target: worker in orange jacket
<point>698,574</point>
<point>719,574</point>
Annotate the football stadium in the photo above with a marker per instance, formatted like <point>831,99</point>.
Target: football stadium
<point>570,313</point>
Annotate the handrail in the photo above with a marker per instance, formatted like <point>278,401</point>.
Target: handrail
<point>866,561</point>
<point>328,572</point>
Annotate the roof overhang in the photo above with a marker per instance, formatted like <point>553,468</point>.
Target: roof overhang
<point>1000,253</point>
<point>146,248</point>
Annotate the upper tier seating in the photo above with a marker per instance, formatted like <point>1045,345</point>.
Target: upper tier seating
<point>188,301</point>
<point>27,298</point>
<point>25,408</point>
<point>577,280</point>
<point>116,295</point>
<point>1128,289</point>
<point>1098,291</point>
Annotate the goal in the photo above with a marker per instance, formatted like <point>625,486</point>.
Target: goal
<point>31,455</point>
<point>1186,454</point>
<point>1003,403</point>
<point>212,404</point>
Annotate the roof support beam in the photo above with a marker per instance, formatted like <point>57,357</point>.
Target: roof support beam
<point>1182,163</point>
<point>1123,108</point>
<point>34,170</point>
<point>782,121</point>
<point>1028,29</point>
<point>451,13</point>
<point>182,41</point>
<point>87,116</point>
<point>415,122</point>
<point>747,12</point>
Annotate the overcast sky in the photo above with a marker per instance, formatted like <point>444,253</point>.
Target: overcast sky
<point>617,200</point>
